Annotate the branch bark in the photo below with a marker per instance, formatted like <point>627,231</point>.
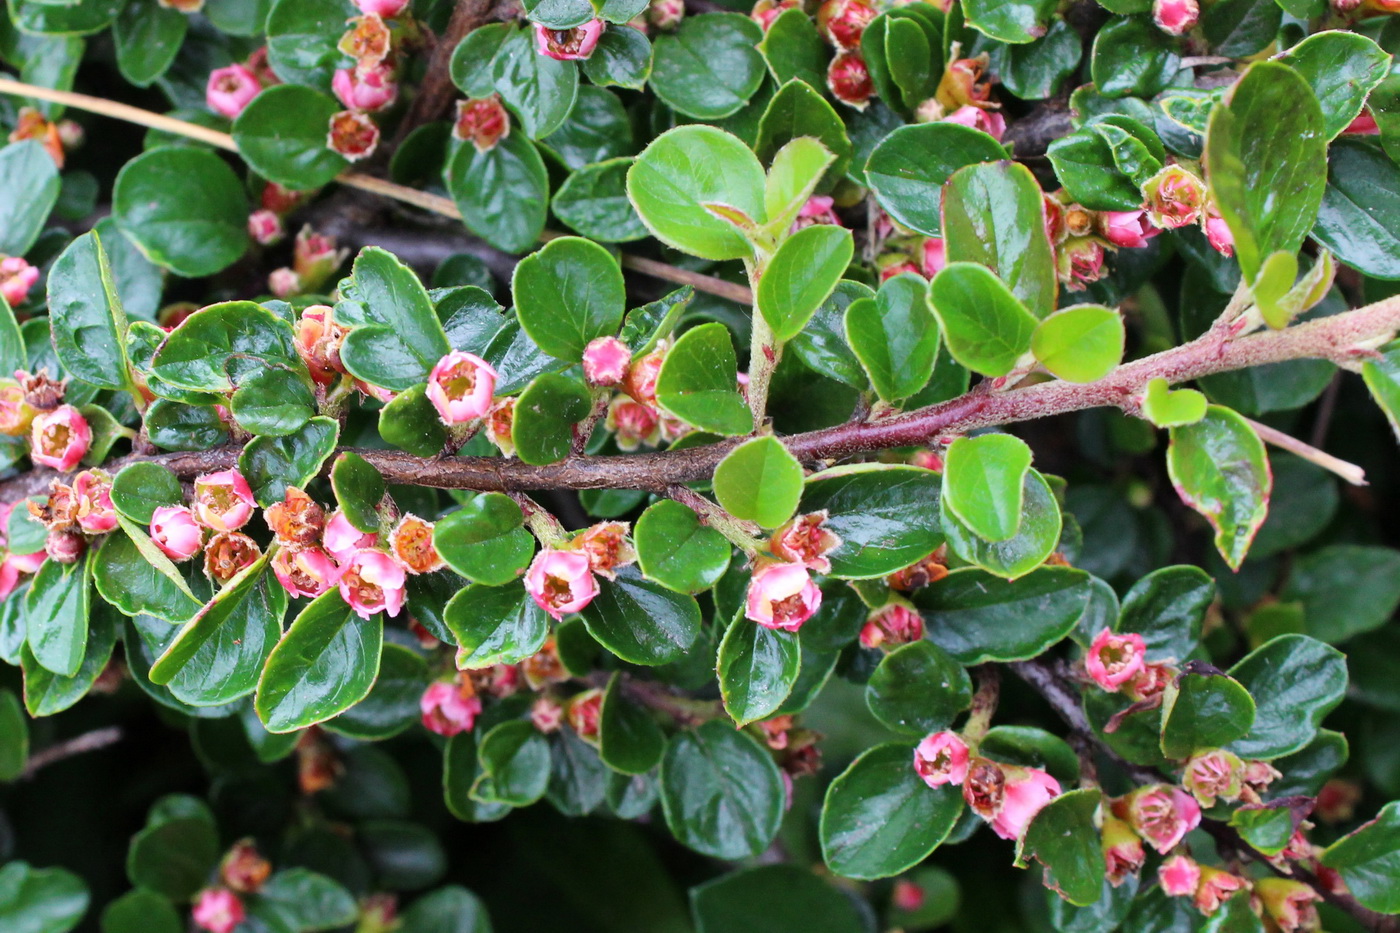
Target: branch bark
<point>436,91</point>
<point>78,745</point>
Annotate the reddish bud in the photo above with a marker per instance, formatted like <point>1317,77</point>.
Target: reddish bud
<point>941,758</point>
<point>305,571</point>
<point>665,14</point>
<point>1179,876</point>
<point>848,79</point>
<point>606,361</point>
<point>17,277</point>
<point>816,210</point>
<point>1160,814</point>
<point>482,121</point>
<point>782,596</point>
<point>561,582</point>
<point>318,341</point>
<point>568,44</point>
<point>843,22</point>
<point>1218,235</point>
<point>907,895</point>
<point>765,11</point>
<point>499,422</point>
<point>229,552</point>
<point>176,532</point>
<point>547,715</point>
<point>1291,904</point>
<point>450,707</point>
<point>1175,16</point>
<point>244,869</point>
<point>892,626</point>
<point>1337,800</point>
<point>640,382</point>
<point>1129,229</point>
<point>412,543</point>
<point>16,414</point>
<point>59,438</point>
<point>632,423</point>
<point>265,227</point>
<point>461,386</point>
<point>366,89</point>
<point>990,122</point>
<point>1080,262</point>
<point>218,910</point>
<point>283,282</point>
<point>584,712</point>
<point>223,501</point>
<point>65,546</point>
<point>32,124</point>
<point>315,257</point>
<point>230,89</point>
<point>96,515</point>
<point>280,200</point>
<point>1149,683</point>
<point>1112,660</point>
<point>385,8</point>
<point>372,581</point>
<point>934,257</point>
<point>352,135</point>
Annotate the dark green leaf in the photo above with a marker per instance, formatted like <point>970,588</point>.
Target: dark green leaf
<point>642,622</point>
<point>885,515</point>
<point>721,792</point>
<point>908,168</point>
<point>918,688</point>
<point>1219,467</point>
<point>677,550</point>
<point>29,186</point>
<point>757,669</point>
<point>503,193</point>
<point>629,740</point>
<point>56,608</point>
<point>184,207</point>
<point>281,134</point>
<point>1064,838</point>
<point>1204,710</point>
<point>774,899</point>
<point>89,326</point>
<point>708,68</point>
<point>271,464</point>
<point>1369,861</point>
<point>977,617</point>
<point>495,625</point>
<point>542,427</point>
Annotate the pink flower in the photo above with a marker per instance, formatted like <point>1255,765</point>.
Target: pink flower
<point>782,596</point>
<point>990,122</point>
<point>585,711</point>
<point>305,571</point>
<point>283,282</point>
<point>343,539</point>
<point>1219,235</point>
<point>1123,853</point>
<point>481,121</point>
<point>665,14</point>
<point>561,582</point>
<point>230,89</point>
<point>568,44</point>
<point>460,387</point>
<point>843,22</point>
<point>176,532</point>
<point>606,361</point>
<point>1215,888</point>
<point>848,79</point>
<point>894,625</point>
<point>1175,197</point>
<point>1291,904</point>
<point>218,910</point>
<point>632,423</point>
<point>546,715</point>
<point>352,135</point>
<point>1175,16</point>
<point>1214,774</point>
<point>17,277</point>
<point>13,566</point>
<point>1112,660</point>
<point>934,257</point>
<point>366,90</point>
<point>96,514</point>
<point>941,758</point>
<point>315,257</point>
<point>223,501</point>
<point>1027,791</point>
<point>606,547</point>
<point>806,540</point>
<point>1127,228</point>
<point>385,8</point>
<point>899,267</point>
<point>59,438</point>
<point>449,708</point>
<point>1179,876</point>
<point>372,581</point>
<point>265,227</point>
<point>816,210</point>
<point>1162,815</point>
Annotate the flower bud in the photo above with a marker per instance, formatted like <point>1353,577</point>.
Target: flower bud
<point>1215,888</point>
<point>368,41</point>
<point>632,423</point>
<point>228,553</point>
<point>1027,790</point>
<point>894,625</point>
<point>280,200</point>
<point>1337,800</point>
<point>561,582</point>
<point>941,758</point>
<point>450,707</point>
<point>65,545</point>
<point>606,361</point>
<point>96,514</point>
<point>1219,236</point>
<point>17,277</point>
<point>990,122</point>
<point>59,438</point>
<point>182,6</point>
<point>584,712</point>
<point>1160,814</point>
<point>848,79</point>
<point>244,869</point>
<point>343,539</point>
<point>546,715</point>
<point>283,282</point>
<point>816,210</point>
<point>16,414</point>
<point>843,22</point>
<point>1179,876</point>
<point>933,258</point>
<point>385,8</point>
<point>1080,262</point>
<point>1291,904</point>
<point>1149,683</point>
<point>461,386</point>
<point>32,124</point>
<point>544,667</point>
<point>412,543</point>
<point>318,341</point>
<point>776,732</point>
<point>607,548</point>
<point>499,421</point>
<point>305,571</point>
<point>265,227</point>
<point>804,540</point>
<point>782,596</point>
<point>568,44</point>
<point>921,573</point>
<point>482,121</point>
<point>366,89</point>
<point>296,521</point>
<point>176,532</point>
<point>1175,16</point>
<point>765,11</point>
<point>352,135</point>
<point>498,680</point>
<point>640,382</point>
<point>315,258</point>
<point>318,765</point>
<point>217,910</point>
<point>223,501</point>
<point>1112,660</point>
<point>1214,773</point>
<point>1122,850</point>
<point>372,581</point>
<point>230,89</point>
<point>1129,229</point>
<point>1175,197</point>
<point>665,14</point>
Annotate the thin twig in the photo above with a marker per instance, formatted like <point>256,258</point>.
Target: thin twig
<point>78,745</point>
<point>1348,471</point>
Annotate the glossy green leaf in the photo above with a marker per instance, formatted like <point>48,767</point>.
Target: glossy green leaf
<point>46,693</point>
<point>622,58</point>
<point>1345,589</point>
<point>801,275</point>
<point>987,328</point>
<point>275,401</point>
<point>302,37</point>
<point>885,515</point>
<point>1369,861</point>
<point>1342,69</point>
<point>977,617</point>
<point>392,704</point>
<point>450,909</point>
<point>56,609</point>
<point>14,736</point>
<point>793,176</point>
<point>895,337</point>
<point>1012,21</point>
<point>759,481</point>
<point>918,688</point>
<point>1219,467</point>
<point>721,792</point>
<point>514,764</point>
<point>140,910</point>
<point>593,200</point>
<point>271,464</point>
<point>629,739</point>
<point>172,856</point>
<point>797,110</point>
<point>542,427</point>
<point>1204,709</point>
<point>485,540</point>
<point>1360,208</point>
<point>410,422</point>
<point>89,325</point>
<point>1133,56</point>
<point>1168,608</point>
<point>184,207</point>
<point>698,382</point>
<point>1063,837</point>
<point>131,573</point>
<point>147,37</point>
<point>676,549</point>
<point>217,347</point>
<point>709,67</point>
<point>29,186</point>
<point>539,90</point>
<point>1083,343</point>
<point>757,669</point>
<point>1295,682</point>
<point>909,166</point>
<point>983,479</point>
<point>495,625</point>
<point>358,490</point>
<point>503,193</point>
<point>793,49</point>
<point>1034,540</point>
<point>396,337</point>
<point>640,621</point>
<point>1087,163</point>
<point>568,294</point>
<point>281,134</point>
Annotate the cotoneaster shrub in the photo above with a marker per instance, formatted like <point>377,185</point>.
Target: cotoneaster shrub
<point>808,469</point>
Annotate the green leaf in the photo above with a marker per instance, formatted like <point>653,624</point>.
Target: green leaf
<point>1219,467</point>
<point>29,186</point>
<point>307,901</point>
<point>495,625</point>
<point>326,663</point>
<point>514,765</point>
<point>1266,827</point>
<point>545,417</point>
<point>994,215</point>
<point>685,168</point>
<point>184,207</point>
<point>1360,210</point>
<point>797,110</point>
<point>271,464</point>
<point>977,617</point>
<point>757,669</point>
<point>46,693</point>
<point>879,818</point>
<point>385,294</point>
<point>642,622</point>
<point>1167,608</point>
<point>885,515</point>
<point>983,479</point>
<point>358,489</point>
<point>698,382</point>
<point>140,910</point>
<point>1265,158</point>
<point>629,740</point>
<point>759,481</point>
<point>1295,682</point>
<point>1012,21</point>
<point>1204,709</point>
<point>275,401</point>
<point>14,736</point>
<point>1236,915</point>
<point>281,134</point>
<point>721,793</point>
<point>918,688</point>
<point>1083,343</point>
<point>593,200</point>
<point>392,703</point>
<point>1345,589</point>
<point>218,347</point>
<point>1342,68</point>
<point>461,770</point>
<point>147,37</point>
<point>1369,861</point>
<point>173,426</point>
<point>622,58</point>
<point>89,326</point>
<point>793,177</point>
<point>503,193</point>
<point>895,337</point>
<point>987,328</point>
<point>801,275</point>
<point>410,422</point>
<point>709,67</point>
<point>131,573</point>
<point>1087,164</point>
<point>1034,540</point>
<point>1133,56</point>
<point>774,899</point>
<point>560,14</point>
<point>56,608</point>
<point>1167,408</point>
<point>568,294</point>
<point>794,49</point>
<point>1064,838</point>
<point>909,166</point>
<point>676,549</point>
<point>302,37</point>
<point>485,540</point>
<point>174,856</point>
<point>451,909</point>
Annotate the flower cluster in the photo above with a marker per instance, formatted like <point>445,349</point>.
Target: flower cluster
<point>782,594</point>
<point>1007,796</point>
<point>563,580</point>
<point>375,41</point>
<point>32,406</point>
<point>243,871</point>
<point>230,89</point>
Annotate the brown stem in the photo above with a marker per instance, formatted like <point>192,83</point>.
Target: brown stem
<point>436,91</point>
<point>984,702</point>
<point>78,745</point>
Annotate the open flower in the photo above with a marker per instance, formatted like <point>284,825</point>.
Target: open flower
<point>606,361</point>
<point>223,501</point>
<point>352,135</point>
<point>1160,814</point>
<point>894,625</point>
<point>59,438</point>
<point>782,596</point>
<point>371,581</point>
<point>229,552</point>
<point>1175,197</point>
<point>632,423</point>
<point>1291,904</point>
<point>584,712</point>
<point>412,543</point>
<point>941,758</point>
<point>385,8</point>
<point>1179,876</point>
<point>343,539</point>
<point>568,44</point>
<point>176,532</point>
<point>17,277</point>
<point>366,89</point>
<point>230,89</point>
<point>460,387</point>
<point>481,121</point>
<point>805,539</point>
<point>1129,229</point>
<point>450,707</point>
<point>1113,659</point>
<point>1027,790</point>
<point>96,514</point>
<point>561,582</point>
<point>607,548</point>
<point>305,571</point>
<point>218,910</point>
<point>1214,773</point>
